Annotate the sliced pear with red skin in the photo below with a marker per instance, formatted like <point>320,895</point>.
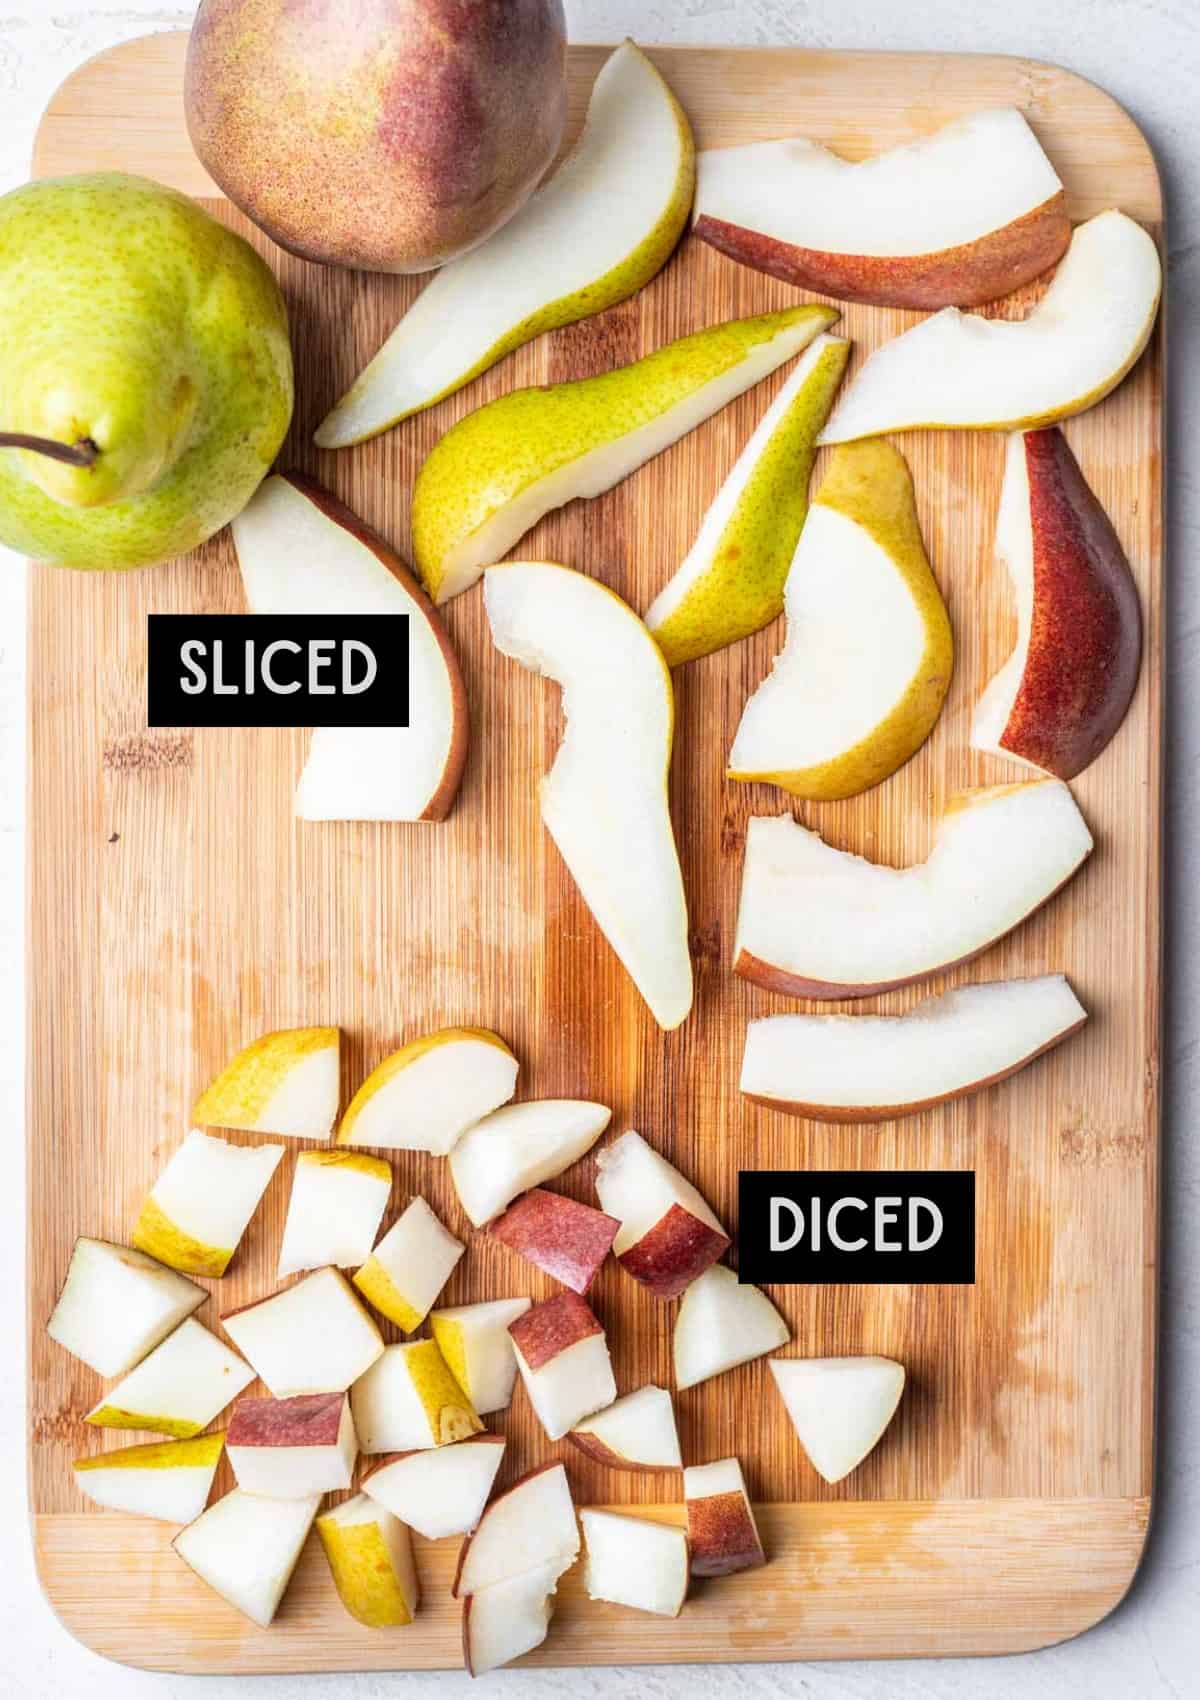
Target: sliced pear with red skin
<point>722,1533</point>
<point>370,1557</point>
<point>409,1267</point>
<point>816,922</point>
<point>862,676</point>
<point>668,1234</point>
<point>874,1068</point>
<point>178,1389</point>
<point>428,1093</point>
<point>246,1549</point>
<point>397,773</point>
<point>494,474</point>
<point>117,1304</point>
<point>599,230</point>
<point>289,1448</point>
<point>562,1354</point>
<point>604,801</point>
<point>637,1432</point>
<point>567,1239</point>
<point>959,371</point>
<point>839,1407</point>
<point>168,1479</point>
<point>313,1337</point>
<point>519,1146</point>
<point>442,1491</point>
<point>723,1323</point>
<point>408,1400</point>
<point>476,1344</point>
<point>200,1206</point>
<point>509,1618</point>
<point>952,219</point>
<point>632,1561</point>
<point>731,581</point>
<point>284,1082</point>
<point>1064,690</point>
<point>532,1523</point>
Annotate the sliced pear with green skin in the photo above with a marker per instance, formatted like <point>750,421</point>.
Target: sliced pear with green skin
<point>603,226</point>
<point>604,801</point>
<point>427,1094</point>
<point>167,1479</point>
<point>200,1206</point>
<point>961,371</point>
<point>409,1267</point>
<point>861,679</point>
<point>337,1203</point>
<point>409,1400</point>
<point>731,582</point>
<point>178,1389</point>
<point>370,1556</point>
<point>286,1082</point>
<point>499,470</point>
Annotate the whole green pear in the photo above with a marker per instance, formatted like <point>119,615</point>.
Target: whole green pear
<point>144,347</point>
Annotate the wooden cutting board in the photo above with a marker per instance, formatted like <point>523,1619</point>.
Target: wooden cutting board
<point>178,909</point>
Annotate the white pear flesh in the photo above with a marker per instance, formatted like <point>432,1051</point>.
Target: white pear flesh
<point>478,1348</point>
<point>958,217</point>
<point>604,801</point>
<point>959,370</point>
<point>839,1407</point>
<point>634,1562</point>
<point>116,1305</point>
<point>409,1400</point>
<point>290,1448</point>
<point>440,1492</point>
<point>425,1096</point>
<point>509,1618</point>
<point>638,1432</point>
<point>314,1337</point>
<point>337,1203</point>
<point>168,1479</point>
<point>410,1266</point>
<point>530,1525</point>
<point>575,1383</point>
<point>246,1548</point>
<point>721,1324</point>
<point>519,1147</point>
<point>600,229</point>
<point>201,1204</point>
<point>867,1068</point>
<point>819,922</point>
<point>668,1234</point>
<point>371,1559</point>
<point>178,1389</point>
<point>400,773</point>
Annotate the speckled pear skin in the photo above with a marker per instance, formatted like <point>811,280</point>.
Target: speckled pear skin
<point>130,316</point>
<point>385,135</point>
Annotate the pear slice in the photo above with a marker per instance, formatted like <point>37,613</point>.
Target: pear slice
<point>494,474</point>
<point>1064,690</point>
<point>636,1432</point>
<point>313,1337</point>
<point>519,1147</point>
<point>635,1562</point>
<point>337,1203</point>
<point>722,1531</point>
<point>403,773</point>
<point>409,1267</point>
<point>815,922</point>
<point>441,1491</point>
<point>478,1348</point>
<point>722,1323</point>
<point>952,219</point>
<point>954,371</point>
<point>289,1448</point>
<point>428,1093</point>
<point>866,665</point>
<point>246,1548</point>
<point>200,1206</point>
<point>512,1617</point>
<point>178,1389</point>
<point>168,1479</point>
<point>600,229</point>
<point>116,1305</point>
<point>839,1407</point>
<point>409,1400</point>
<point>873,1068</point>
<point>286,1082</point>
<point>604,801</point>
<point>731,582</point>
<point>370,1556</point>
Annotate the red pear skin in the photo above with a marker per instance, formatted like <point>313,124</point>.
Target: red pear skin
<point>964,276</point>
<point>1085,647</point>
<point>722,1535</point>
<point>673,1253</point>
<point>551,1327</point>
<point>307,1419</point>
<point>567,1239</point>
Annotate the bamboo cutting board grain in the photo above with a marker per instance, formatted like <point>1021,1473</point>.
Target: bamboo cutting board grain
<point>178,909</point>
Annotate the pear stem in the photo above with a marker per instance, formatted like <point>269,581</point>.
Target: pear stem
<point>83,453</point>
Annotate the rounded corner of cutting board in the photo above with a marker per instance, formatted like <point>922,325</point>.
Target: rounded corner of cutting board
<point>1136,144</point>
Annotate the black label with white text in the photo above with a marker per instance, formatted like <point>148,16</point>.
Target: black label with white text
<point>856,1226</point>
<point>277,670</point>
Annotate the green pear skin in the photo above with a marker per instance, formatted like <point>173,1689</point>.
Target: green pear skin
<point>133,321</point>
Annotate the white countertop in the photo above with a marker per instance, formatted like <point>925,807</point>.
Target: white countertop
<point>1146,53</point>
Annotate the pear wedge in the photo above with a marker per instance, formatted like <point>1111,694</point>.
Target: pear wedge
<point>168,1479</point>
<point>731,583</point>
<point>839,1407</point>
<point>958,370</point>
<point>600,229</point>
<point>861,679</point>
<point>408,773</point>
<point>425,1096</point>
<point>284,1082</point>
<point>604,801</point>
<point>495,473</point>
